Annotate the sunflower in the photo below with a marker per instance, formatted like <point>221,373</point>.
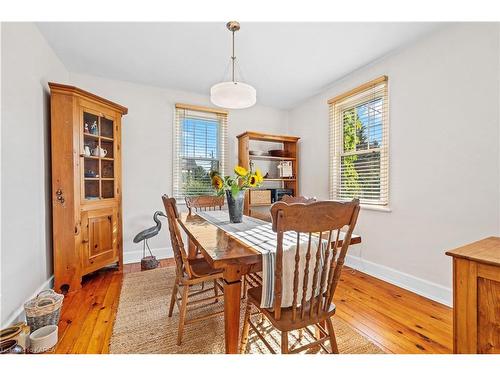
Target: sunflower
<point>258,176</point>
<point>217,182</point>
<point>240,171</point>
<point>252,181</point>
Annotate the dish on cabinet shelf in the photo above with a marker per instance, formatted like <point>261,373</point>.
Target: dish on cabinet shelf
<point>258,153</point>
<point>280,153</point>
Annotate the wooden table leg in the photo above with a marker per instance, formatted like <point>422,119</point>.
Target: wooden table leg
<point>232,300</point>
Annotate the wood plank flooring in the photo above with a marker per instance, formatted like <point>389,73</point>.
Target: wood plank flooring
<point>395,319</point>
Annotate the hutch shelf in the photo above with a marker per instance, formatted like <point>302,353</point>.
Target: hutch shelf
<point>86,184</point>
<point>249,141</point>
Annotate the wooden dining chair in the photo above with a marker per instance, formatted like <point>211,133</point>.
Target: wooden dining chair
<point>189,272</point>
<point>298,199</point>
<point>204,203</point>
<point>316,220</point>
<point>255,279</point>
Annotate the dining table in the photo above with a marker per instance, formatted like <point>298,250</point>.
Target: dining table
<point>236,258</point>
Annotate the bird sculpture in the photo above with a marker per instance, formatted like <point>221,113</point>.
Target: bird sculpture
<point>146,234</point>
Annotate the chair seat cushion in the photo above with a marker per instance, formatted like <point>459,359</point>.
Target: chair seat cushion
<point>201,267</point>
<point>285,322</point>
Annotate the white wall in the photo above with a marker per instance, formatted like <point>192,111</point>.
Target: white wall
<point>147,148</point>
<point>444,155</point>
<point>28,63</point>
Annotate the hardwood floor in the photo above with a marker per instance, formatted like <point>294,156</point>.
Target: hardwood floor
<point>397,320</point>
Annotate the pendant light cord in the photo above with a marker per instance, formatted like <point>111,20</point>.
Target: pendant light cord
<point>233,57</point>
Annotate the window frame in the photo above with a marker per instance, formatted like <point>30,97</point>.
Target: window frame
<point>374,89</point>
<point>181,112</point>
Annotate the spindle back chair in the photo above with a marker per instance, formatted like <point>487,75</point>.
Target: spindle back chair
<point>298,199</point>
<point>255,279</point>
<point>189,272</point>
<point>204,203</point>
<point>180,255</point>
<point>312,302</point>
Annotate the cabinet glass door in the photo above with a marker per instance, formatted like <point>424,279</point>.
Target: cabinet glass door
<point>98,155</point>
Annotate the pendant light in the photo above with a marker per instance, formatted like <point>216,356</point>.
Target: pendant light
<point>233,94</point>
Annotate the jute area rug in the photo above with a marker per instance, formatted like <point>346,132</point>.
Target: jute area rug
<point>142,324</point>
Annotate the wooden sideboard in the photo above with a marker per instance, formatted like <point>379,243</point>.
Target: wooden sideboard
<point>476,297</point>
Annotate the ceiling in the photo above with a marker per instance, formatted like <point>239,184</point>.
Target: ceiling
<point>285,62</point>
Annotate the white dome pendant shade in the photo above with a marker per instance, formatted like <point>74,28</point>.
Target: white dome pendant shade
<point>233,94</point>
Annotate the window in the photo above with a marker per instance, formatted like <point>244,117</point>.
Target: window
<point>199,147</point>
<point>359,149</point>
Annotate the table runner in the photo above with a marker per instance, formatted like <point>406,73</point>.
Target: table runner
<point>259,235</point>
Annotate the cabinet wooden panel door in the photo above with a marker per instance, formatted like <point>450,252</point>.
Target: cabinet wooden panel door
<point>99,237</point>
<point>488,321</point>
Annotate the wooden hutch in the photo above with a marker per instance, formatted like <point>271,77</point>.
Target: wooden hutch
<point>250,141</point>
<point>86,184</point>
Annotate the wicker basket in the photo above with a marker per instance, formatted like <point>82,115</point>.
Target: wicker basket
<point>260,197</point>
<point>44,309</point>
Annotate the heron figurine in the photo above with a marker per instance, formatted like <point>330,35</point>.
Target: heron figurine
<point>149,262</point>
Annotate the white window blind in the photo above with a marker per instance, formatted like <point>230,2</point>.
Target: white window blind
<point>200,141</point>
<point>359,144</point>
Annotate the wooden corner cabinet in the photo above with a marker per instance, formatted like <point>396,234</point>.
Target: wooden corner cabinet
<point>254,151</point>
<point>86,184</point>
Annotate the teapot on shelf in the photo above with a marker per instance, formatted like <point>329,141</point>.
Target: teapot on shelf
<point>99,151</point>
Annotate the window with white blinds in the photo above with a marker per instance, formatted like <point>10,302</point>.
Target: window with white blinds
<point>359,144</point>
<point>200,141</point>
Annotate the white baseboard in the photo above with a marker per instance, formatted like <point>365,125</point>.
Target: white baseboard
<point>18,315</point>
<point>428,289</point>
<point>135,256</point>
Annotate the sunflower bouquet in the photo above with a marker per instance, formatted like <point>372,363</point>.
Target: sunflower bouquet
<point>243,179</point>
<point>234,187</point>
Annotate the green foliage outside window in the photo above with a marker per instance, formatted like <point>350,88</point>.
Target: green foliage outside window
<point>197,182</point>
<point>357,181</point>
<point>350,177</point>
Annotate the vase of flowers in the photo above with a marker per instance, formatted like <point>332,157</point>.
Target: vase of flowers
<point>234,187</point>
